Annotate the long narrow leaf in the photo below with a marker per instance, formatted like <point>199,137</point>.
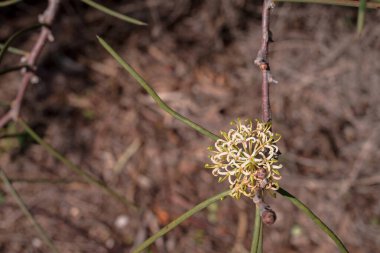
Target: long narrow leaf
<point>9,2</point>
<point>42,233</point>
<point>113,13</point>
<point>314,218</point>
<point>180,219</point>
<point>86,176</point>
<point>14,50</point>
<point>361,16</point>
<point>13,37</point>
<point>153,94</point>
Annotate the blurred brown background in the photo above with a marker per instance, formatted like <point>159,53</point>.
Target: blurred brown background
<point>198,55</point>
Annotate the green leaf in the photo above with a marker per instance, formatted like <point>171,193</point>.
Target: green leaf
<point>9,2</point>
<point>361,16</point>
<point>314,218</point>
<point>153,93</point>
<point>113,13</point>
<point>14,50</point>
<point>14,36</point>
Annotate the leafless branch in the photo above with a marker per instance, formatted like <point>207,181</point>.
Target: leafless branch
<point>45,35</point>
<point>267,214</point>
<point>262,60</point>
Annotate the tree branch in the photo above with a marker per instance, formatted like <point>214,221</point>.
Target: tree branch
<point>262,61</point>
<point>268,216</point>
<point>45,35</point>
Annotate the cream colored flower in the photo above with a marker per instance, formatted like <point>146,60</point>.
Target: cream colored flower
<point>248,158</point>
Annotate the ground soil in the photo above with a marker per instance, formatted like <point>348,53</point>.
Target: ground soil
<point>198,55</point>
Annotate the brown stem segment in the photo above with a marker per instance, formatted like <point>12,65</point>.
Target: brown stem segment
<point>267,214</point>
<point>47,19</point>
<point>262,61</point>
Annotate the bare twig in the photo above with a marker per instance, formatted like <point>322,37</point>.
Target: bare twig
<point>45,35</point>
<point>262,61</point>
<point>264,213</point>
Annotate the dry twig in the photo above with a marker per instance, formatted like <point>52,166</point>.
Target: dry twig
<point>262,61</point>
<point>45,35</point>
<point>267,214</point>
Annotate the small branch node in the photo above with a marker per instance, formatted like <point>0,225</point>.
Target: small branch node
<point>34,80</point>
<point>271,4</point>
<point>50,37</point>
<point>271,79</point>
<point>23,59</point>
<point>41,18</point>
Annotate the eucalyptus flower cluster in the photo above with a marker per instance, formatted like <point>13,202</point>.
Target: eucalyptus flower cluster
<point>248,158</point>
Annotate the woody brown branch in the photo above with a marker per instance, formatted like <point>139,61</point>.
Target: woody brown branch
<point>262,61</point>
<point>45,35</point>
<point>267,214</point>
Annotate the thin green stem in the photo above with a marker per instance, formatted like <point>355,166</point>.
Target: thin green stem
<point>113,13</point>
<point>314,218</point>
<point>180,219</point>
<point>27,213</point>
<point>256,231</point>
<point>14,50</point>
<point>14,36</point>
<point>85,175</point>
<point>154,95</point>
<point>8,2</point>
<point>260,246</point>
<point>361,16</point>
<point>347,3</point>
